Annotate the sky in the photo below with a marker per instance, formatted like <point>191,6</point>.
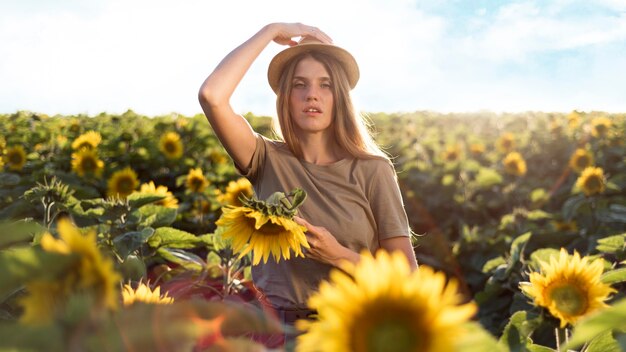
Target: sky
<point>151,56</point>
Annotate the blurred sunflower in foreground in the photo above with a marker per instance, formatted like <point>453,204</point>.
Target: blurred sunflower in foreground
<point>122,183</point>
<point>169,201</point>
<point>264,227</point>
<point>394,310</point>
<point>591,181</point>
<point>569,287</point>
<point>234,191</point>
<point>171,146</point>
<point>89,140</point>
<point>196,182</point>
<point>580,160</point>
<point>86,162</point>
<point>144,294</point>
<point>15,157</point>
<point>514,164</point>
<point>91,273</point>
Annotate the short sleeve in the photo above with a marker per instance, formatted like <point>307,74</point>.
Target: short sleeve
<point>255,167</point>
<point>386,203</point>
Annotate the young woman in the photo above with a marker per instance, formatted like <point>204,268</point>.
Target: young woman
<point>353,199</point>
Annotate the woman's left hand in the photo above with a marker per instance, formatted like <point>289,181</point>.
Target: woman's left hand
<point>324,246</point>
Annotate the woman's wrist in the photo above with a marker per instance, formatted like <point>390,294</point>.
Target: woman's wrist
<point>345,254</point>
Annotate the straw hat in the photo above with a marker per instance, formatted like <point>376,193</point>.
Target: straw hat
<point>308,44</point>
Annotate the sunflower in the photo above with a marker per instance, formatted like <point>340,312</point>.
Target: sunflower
<point>264,227</point>
<point>477,149</point>
<point>514,164</point>
<point>89,140</point>
<point>15,157</point>
<point>122,183</point>
<point>171,146</point>
<point>570,287</point>
<point>92,272</point>
<point>452,153</point>
<point>217,157</point>
<point>86,162</point>
<point>169,201</point>
<point>573,119</point>
<point>144,294</point>
<point>234,191</point>
<point>600,126</point>
<point>591,181</point>
<point>196,182</point>
<point>580,160</point>
<point>393,310</point>
<point>506,142</point>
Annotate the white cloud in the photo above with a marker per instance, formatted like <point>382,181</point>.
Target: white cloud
<point>152,56</point>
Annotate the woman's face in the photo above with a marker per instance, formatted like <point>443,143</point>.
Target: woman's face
<point>311,99</point>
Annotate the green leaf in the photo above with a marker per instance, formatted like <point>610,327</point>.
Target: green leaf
<point>516,333</point>
<point>614,213</point>
<point>172,238</point>
<point>9,179</point>
<point>539,195</point>
<point>19,231</point>
<point>137,200</point>
<point>487,178</point>
<point>20,337</point>
<point>129,242</point>
<point>156,216</point>
<point>26,264</point>
<point>612,244</point>
<point>188,260</point>
<point>603,343</point>
<point>613,317</point>
<point>571,206</point>
<point>493,263</point>
<point>477,339</point>
<point>517,247</point>
<point>538,215</point>
<point>542,255</point>
<point>614,276</point>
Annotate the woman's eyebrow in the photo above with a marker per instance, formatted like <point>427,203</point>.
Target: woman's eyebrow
<point>325,78</point>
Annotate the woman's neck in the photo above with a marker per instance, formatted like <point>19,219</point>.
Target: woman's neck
<point>320,148</point>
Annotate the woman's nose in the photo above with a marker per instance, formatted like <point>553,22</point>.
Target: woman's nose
<point>311,94</point>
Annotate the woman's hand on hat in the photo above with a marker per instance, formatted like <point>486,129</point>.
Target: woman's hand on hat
<point>285,32</point>
<point>324,246</point>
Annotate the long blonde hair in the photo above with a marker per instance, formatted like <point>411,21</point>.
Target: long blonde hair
<point>351,129</point>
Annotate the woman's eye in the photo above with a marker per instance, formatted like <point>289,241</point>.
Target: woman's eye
<point>326,85</point>
<point>298,85</point>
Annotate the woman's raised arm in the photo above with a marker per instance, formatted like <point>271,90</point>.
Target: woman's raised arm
<point>233,131</point>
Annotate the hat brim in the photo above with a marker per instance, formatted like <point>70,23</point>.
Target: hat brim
<point>345,59</point>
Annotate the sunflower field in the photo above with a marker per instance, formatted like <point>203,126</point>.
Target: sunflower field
<point>113,236</point>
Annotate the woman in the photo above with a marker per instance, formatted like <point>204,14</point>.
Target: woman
<point>353,200</point>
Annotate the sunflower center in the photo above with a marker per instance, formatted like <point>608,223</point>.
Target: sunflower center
<point>170,147</point>
<point>125,185</point>
<point>601,129</point>
<point>593,183</point>
<point>569,299</point>
<point>385,327</point>
<point>88,164</point>
<point>15,158</point>
<point>583,162</point>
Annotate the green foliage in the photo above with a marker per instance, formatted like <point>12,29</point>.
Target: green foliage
<point>480,224</point>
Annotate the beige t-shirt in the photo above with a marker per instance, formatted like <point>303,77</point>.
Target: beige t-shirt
<point>357,200</point>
